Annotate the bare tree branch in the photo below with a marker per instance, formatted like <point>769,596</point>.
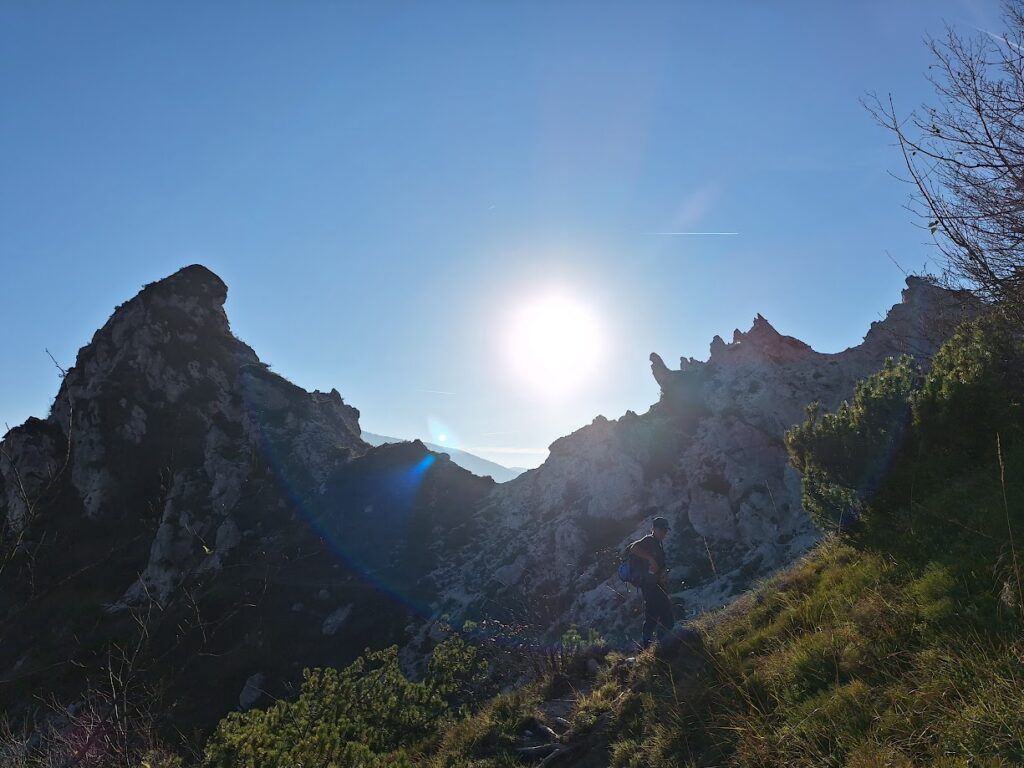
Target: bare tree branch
<point>964,156</point>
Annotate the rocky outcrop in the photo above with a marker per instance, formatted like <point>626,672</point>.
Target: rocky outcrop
<point>709,456</point>
<point>180,485</point>
<point>166,408</point>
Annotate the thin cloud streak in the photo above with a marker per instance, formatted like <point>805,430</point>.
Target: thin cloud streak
<point>1000,38</point>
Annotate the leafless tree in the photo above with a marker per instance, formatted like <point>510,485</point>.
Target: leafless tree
<point>111,725</point>
<point>965,157</point>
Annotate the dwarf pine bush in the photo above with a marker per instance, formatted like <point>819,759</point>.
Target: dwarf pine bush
<point>869,466</point>
<point>844,457</point>
<point>367,714</point>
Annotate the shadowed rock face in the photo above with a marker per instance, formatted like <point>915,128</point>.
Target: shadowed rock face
<point>709,456</point>
<point>179,479</point>
<point>164,414</point>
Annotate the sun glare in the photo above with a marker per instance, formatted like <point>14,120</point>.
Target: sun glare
<point>555,344</point>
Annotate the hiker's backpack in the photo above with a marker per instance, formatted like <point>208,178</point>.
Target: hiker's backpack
<point>627,572</point>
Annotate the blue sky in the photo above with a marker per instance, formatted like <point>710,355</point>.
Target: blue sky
<point>382,184</point>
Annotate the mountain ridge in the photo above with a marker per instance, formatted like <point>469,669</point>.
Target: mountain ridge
<point>177,478</point>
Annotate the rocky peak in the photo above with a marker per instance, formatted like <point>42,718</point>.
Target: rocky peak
<point>761,342</point>
<point>660,370</point>
<point>193,286</point>
<point>193,281</point>
<point>164,402</point>
<point>762,335</point>
<point>188,303</point>
<point>926,311</point>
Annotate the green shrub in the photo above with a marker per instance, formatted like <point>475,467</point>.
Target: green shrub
<point>574,642</point>
<point>972,393</point>
<point>873,468</point>
<point>844,456</point>
<point>364,715</point>
<point>487,738</point>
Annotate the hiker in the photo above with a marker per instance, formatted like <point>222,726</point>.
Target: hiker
<point>648,560</point>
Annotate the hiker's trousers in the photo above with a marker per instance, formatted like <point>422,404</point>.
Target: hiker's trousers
<point>657,609</point>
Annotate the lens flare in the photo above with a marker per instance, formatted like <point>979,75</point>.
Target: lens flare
<point>441,433</point>
<point>395,490</point>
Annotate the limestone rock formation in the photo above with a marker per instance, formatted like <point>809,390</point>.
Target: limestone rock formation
<point>165,405</point>
<point>709,456</point>
<point>180,484</point>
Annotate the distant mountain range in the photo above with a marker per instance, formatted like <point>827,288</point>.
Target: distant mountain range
<point>466,460</point>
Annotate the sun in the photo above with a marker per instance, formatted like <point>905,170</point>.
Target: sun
<point>555,344</point>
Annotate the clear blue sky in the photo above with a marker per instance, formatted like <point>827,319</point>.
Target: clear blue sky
<point>379,183</point>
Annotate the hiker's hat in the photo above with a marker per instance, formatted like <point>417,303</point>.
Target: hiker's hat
<point>661,523</point>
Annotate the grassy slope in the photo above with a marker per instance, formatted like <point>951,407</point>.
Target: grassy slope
<point>853,657</point>
<point>849,658</point>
